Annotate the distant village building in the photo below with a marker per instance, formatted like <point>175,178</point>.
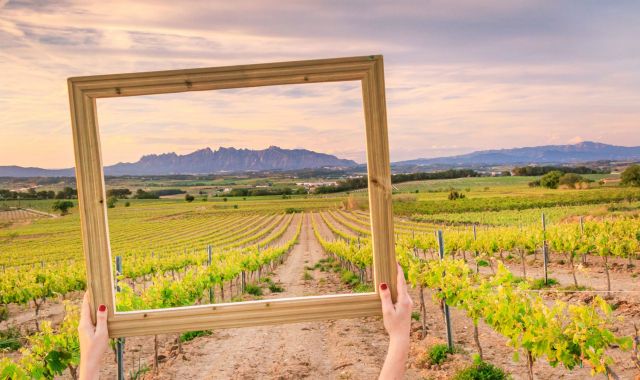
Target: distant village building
<point>311,185</point>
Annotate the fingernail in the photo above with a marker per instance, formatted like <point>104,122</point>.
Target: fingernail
<point>383,286</point>
<point>102,308</point>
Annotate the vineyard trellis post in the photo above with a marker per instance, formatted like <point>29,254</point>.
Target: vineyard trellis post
<point>584,255</point>
<point>475,238</point>
<point>119,341</point>
<point>445,307</point>
<point>208,265</point>
<point>544,249</point>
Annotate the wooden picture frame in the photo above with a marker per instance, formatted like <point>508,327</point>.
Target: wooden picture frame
<point>83,92</point>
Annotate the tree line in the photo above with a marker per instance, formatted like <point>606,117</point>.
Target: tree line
<point>32,193</point>
<point>530,171</point>
<point>362,182</point>
<point>124,193</point>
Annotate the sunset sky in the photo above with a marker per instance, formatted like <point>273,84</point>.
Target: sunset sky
<point>460,75</point>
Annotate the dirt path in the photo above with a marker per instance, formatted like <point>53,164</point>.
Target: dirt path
<point>349,349</point>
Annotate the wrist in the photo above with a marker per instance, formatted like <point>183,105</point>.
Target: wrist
<point>399,343</point>
<point>89,371</point>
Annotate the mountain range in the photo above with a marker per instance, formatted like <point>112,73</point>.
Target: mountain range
<point>206,161</point>
<point>586,151</point>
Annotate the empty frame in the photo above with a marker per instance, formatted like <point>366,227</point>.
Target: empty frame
<point>83,92</point>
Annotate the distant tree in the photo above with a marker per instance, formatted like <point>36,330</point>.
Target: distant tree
<point>162,192</point>
<point>551,180</point>
<point>506,173</point>
<point>455,194</point>
<point>631,176</point>
<point>189,197</point>
<point>44,194</point>
<point>141,194</point>
<point>118,193</point>
<point>111,201</point>
<point>62,206</point>
<point>67,193</point>
<point>571,180</point>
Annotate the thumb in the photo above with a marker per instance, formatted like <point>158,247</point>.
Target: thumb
<point>101,320</point>
<point>385,298</point>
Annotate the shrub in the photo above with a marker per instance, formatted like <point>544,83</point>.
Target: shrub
<point>437,354</point>
<point>10,339</point>
<point>348,277</point>
<point>275,288</point>
<point>455,194</point>
<point>127,204</point>
<point>415,315</point>
<point>307,276</point>
<point>189,197</point>
<point>481,371</point>
<point>363,288</point>
<point>253,289</point>
<point>111,201</point>
<point>4,313</point>
<point>292,210</point>
<point>62,206</point>
<point>539,283</point>
<point>190,335</point>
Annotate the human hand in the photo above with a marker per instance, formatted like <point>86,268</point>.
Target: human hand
<point>397,317</point>
<point>94,340</point>
<point>397,322</point>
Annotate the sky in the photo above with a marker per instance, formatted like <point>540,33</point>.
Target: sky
<point>460,75</point>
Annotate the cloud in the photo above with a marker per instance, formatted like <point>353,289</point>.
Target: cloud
<point>460,75</point>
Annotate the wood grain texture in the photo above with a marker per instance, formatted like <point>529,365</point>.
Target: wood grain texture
<point>379,173</point>
<point>244,314</point>
<point>83,92</point>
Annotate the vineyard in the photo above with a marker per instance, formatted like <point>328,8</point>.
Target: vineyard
<point>483,271</point>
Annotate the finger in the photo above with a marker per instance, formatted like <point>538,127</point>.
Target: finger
<point>401,285</point>
<point>385,297</point>
<point>85,313</point>
<point>101,320</point>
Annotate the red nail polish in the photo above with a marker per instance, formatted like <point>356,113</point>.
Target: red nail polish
<point>102,308</point>
<point>383,286</point>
